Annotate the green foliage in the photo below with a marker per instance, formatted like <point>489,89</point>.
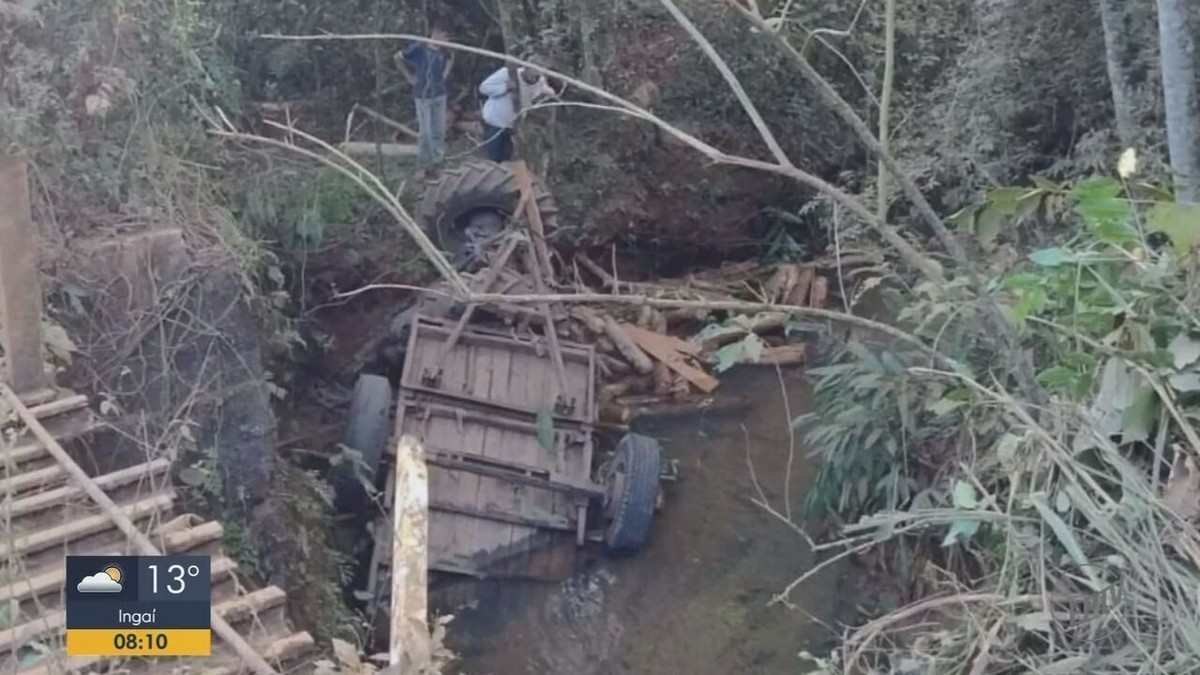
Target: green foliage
<point>962,529</point>
<point>1106,286</point>
<point>300,206</point>
<point>864,408</point>
<point>745,350</point>
<point>1104,303</point>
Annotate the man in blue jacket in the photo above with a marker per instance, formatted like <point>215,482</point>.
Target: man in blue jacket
<point>430,66</point>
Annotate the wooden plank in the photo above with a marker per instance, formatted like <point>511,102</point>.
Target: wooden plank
<point>20,287</point>
<point>453,538</point>
<point>474,533</point>
<point>63,495</point>
<point>662,348</point>
<point>58,407</point>
<point>528,500</point>
<point>670,341</point>
<point>410,643</point>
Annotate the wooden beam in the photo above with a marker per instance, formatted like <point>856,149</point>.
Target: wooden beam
<point>410,641</point>
<point>541,521</point>
<point>383,149</point>
<point>489,278</point>
<point>539,261</point>
<point>20,288</point>
<point>455,462</point>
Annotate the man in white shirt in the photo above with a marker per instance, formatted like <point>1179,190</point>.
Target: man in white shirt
<point>499,114</point>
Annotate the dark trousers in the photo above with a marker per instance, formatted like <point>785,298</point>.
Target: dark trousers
<point>497,143</point>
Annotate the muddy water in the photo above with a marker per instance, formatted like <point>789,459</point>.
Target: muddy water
<point>695,600</point>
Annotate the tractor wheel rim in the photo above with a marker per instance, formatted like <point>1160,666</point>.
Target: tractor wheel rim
<point>477,242</point>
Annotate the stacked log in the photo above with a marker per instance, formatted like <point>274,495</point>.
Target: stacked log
<point>647,371</point>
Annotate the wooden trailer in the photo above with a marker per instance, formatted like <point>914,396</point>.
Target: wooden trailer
<point>508,433</point>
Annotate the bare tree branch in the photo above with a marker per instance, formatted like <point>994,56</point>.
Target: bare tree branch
<point>907,251</point>
<point>368,182</point>
<point>885,105</point>
<point>843,109</point>
<point>732,80</point>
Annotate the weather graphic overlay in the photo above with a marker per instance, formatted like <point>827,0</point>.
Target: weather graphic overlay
<point>139,605</point>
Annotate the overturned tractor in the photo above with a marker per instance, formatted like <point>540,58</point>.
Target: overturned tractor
<point>466,208</point>
<point>518,477</point>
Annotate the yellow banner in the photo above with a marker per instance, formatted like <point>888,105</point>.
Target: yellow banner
<point>133,642</point>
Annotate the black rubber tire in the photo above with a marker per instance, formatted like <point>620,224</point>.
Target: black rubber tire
<point>640,459</point>
<point>470,187</point>
<point>367,431</point>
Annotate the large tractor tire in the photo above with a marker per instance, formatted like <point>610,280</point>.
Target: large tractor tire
<point>469,204</point>
<point>368,427</point>
<point>632,493</point>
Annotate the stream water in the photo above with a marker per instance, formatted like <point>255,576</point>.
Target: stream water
<point>696,599</point>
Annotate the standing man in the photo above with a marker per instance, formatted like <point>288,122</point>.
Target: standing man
<point>430,66</point>
<point>502,88</point>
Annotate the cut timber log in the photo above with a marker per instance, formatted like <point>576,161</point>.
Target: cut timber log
<point>631,408</point>
<point>689,315</point>
<point>799,294</point>
<point>645,317</point>
<point>614,365</point>
<point>604,324</point>
<point>782,282</point>
<point>614,412</point>
<point>358,107</point>
<point>605,346</point>
<point>384,149</point>
<point>819,293</point>
<point>672,351</point>
<point>664,379</point>
<point>629,385</point>
<point>785,355</point>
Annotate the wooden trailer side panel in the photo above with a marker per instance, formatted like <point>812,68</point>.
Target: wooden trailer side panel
<point>479,523</point>
<point>503,371</point>
<point>479,427</point>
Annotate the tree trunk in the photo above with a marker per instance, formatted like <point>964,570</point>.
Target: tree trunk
<point>1178,23</point>
<point>1120,46</point>
<point>589,25</point>
<point>508,30</point>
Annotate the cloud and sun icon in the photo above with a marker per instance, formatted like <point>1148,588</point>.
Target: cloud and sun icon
<point>107,580</point>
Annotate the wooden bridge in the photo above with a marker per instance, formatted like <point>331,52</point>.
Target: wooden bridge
<point>51,506</point>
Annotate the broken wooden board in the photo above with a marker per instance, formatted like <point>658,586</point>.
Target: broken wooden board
<point>669,350</point>
<point>410,645</point>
